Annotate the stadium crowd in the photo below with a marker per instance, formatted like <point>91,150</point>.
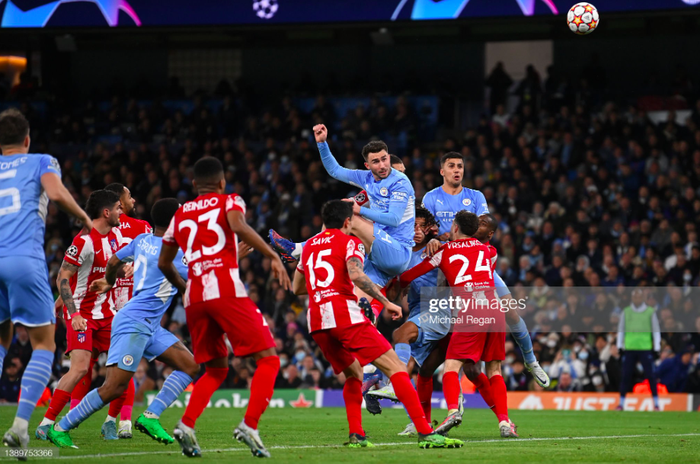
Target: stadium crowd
<point>587,193</point>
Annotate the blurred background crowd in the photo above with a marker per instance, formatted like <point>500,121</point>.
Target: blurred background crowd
<point>588,192</point>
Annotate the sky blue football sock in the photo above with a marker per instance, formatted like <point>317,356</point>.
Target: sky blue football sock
<point>174,385</point>
<point>34,380</point>
<point>522,338</point>
<point>86,408</point>
<point>403,350</point>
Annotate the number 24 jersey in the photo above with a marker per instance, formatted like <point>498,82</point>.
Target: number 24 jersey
<point>200,227</point>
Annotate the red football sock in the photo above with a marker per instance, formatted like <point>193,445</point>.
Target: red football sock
<point>451,389</point>
<point>129,402</point>
<point>500,397</point>
<point>115,406</point>
<point>483,384</point>
<point>201,393</point>
<point>262,387</point>
<point>424,385</point>
<point>82,388</point>
<point>352,394</point>
<point>408,396</point>
<point>58,402</point>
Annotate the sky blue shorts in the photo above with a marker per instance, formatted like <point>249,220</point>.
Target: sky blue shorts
<point>25,293</point>
<point>132,340</point>
<point>387,259</point>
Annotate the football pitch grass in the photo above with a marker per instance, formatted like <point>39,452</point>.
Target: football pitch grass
<point>317,436</point>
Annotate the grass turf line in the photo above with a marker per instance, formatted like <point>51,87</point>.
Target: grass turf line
<point>316,436</point>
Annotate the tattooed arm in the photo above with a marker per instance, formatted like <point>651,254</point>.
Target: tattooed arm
<point>361,281</point>
<point>63,281</point>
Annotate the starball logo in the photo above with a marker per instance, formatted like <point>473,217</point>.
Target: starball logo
<point>39,16</point>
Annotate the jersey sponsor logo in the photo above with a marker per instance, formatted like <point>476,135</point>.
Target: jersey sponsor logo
<point>466,202</point>
<point>99,269</point>
<point>399,196</point>
<point>128,360</point>
<point>72,251</point>
<point>197,269</point>
<point>383,191</point>
<point>200,204</point>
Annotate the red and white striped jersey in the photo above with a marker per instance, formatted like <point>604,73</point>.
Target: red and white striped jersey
<point>332,300</point>
<point>91,252</point>
<point>130,229</point>
<point>200,227</point>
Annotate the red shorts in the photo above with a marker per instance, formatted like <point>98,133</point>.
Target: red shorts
<point>237,318</point>
<point>343,345</point>
<point>477,346</point>
<point>96,336</point>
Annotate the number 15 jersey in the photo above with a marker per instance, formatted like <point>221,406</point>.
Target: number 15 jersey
<point>332,300</point>
<point>200,227</point>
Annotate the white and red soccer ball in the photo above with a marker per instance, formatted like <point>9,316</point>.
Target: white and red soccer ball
<point>583,18</point>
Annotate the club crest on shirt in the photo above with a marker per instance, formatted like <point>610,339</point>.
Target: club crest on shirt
<point>383,191</point>
<point>113,244</point>
<point>128,360</point>
<point>81,338</point>
<point>466,202</point>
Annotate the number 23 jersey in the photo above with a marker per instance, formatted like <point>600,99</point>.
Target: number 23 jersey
<point>332,300</point>
<point>200,227</point>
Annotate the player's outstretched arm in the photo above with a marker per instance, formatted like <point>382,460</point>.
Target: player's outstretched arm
<point>299,283</point>
<point>425,266</point>
<point>167,267</point>
<point>104,285</point>
<point>361,281</point>
<point>63,282</point>
<point>335,170</point>
<point>58,193</point>
<point>236,221</point>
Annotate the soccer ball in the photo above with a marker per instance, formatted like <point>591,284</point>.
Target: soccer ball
<point>583,18</point>
<point>265,9</point>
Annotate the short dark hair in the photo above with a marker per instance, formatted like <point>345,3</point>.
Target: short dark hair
<point>163,211</point>
<point>450,155</point>
<point>335,212</point>
<point>422,213</point>
<point>374,147</point>
<point>395,160</point>
<point>491,219</point>
<point>14,127</point>
<point>115,187</point>
<point>467,222</point>
<point>208,170</point>
<point>98,201</point>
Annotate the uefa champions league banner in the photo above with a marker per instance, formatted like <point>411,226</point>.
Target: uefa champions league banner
<point>143,13</point>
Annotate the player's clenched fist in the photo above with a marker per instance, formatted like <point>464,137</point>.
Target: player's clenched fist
<point>321,133</point>
<point>394,310</point>
<point>78,323</point>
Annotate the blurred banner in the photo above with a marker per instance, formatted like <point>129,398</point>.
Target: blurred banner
<point>597,401</point>
<point>137,13</point>
<point>516,400</point>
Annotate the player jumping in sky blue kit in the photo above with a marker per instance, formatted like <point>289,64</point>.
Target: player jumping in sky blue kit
<point>389,237</point>
<point>444,202</point>
<point>27,183</point>
<point>137,333</point>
